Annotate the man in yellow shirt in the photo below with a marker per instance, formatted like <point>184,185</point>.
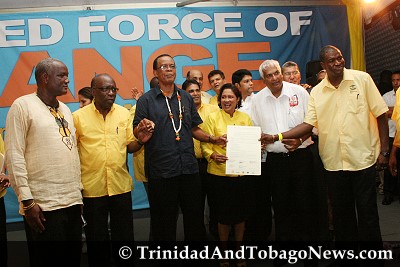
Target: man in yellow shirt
<point>105,134</point>
<point>216,79</point>
<point>350,115</point>
<point>193,88</point>
<point>197,75</point>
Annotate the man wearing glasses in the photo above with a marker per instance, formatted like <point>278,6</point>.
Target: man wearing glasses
<point>170,163</point>
<point>105,134</point>
<point>291,74</point>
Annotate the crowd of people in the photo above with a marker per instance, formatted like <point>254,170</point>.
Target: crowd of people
<point>320,148</point>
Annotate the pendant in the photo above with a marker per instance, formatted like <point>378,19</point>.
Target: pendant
<point>67,141</point>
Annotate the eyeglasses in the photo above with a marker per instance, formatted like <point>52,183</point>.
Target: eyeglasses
<point>166,66</point>
<point>107,89</point>
<point>288,74</point>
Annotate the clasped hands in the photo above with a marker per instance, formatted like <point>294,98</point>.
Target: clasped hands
<point>290,144</point>
<point>145,130</point>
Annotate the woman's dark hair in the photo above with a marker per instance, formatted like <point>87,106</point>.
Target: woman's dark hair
<point>234,90</point>
<point>86,92</point>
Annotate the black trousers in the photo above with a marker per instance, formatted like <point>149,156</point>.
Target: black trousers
<point>259,224</point>
<point>3,234</point>
<point>390,183</point>
<point>355,212</point>
<point>96,211</point>
<point>60,243</point>
<point>292,194</point>
<point>166,195</point>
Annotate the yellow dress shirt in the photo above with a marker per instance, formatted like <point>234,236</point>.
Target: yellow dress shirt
<point>346,121</point>
<point>216,124</point>
<point>102,147</point>
<point>204,111</point>
<point>138,157</point>
<point>396,119</point>
<point>214,100</point>
<point>3,191</point>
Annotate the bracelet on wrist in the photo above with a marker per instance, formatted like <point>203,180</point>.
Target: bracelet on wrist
<point>210,140</point>
<point>30,206</point>
<point>280,137</point>
<point>301,140</point>
<point>139,142</point>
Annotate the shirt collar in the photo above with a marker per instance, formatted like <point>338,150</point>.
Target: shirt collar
<point>347,76</point>
<point>93,107</point>
<point>285,91</point>
<point>158,90</point>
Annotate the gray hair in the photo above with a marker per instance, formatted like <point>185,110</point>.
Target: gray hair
<point>289,64</point>
<point>44,66</point>
<point>269,63</point>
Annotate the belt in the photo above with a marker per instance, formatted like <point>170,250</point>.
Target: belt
<point>287,154</point>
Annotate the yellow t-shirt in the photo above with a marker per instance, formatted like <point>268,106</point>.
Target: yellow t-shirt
<point>3,191</point>
<point>204,111</point>
<point>102,147</point>
<point>346,121</point>
<point>216,124</point>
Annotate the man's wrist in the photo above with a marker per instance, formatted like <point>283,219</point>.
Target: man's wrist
<point>386,154</point>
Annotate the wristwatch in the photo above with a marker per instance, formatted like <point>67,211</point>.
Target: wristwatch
<point>385,154</point>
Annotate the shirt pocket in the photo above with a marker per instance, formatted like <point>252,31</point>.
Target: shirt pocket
<point>356,103</point>
<point>295,116</point>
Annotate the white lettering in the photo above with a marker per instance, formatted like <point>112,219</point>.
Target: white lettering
<point>187,26</point>
<point>85,27</point>
<point>115,32</point>
<point>261,27</point>
<point>56,31</point>
<point>4,32</point>
<point>296,23</point>
<point>221,25</point>
<point>155,26</point>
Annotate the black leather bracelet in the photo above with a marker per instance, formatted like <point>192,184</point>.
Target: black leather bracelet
<point>140,143</point>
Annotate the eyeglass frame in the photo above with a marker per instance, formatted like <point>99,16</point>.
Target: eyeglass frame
<point>107,89</point>
<point>167,66</point>
<point>288,74</point>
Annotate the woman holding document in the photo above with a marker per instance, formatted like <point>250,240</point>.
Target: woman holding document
<point>230,195</point>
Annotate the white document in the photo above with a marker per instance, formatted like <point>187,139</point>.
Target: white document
<point>243,150</point>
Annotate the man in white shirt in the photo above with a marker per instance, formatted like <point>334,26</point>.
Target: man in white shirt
<point>243,80</point>
<point>43,163</point>
<point>288,167</point>
<point>389,181</point>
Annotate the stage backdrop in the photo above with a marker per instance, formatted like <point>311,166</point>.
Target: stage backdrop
<point>125,42</point>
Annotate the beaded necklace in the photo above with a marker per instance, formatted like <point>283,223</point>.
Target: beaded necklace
<point>171,116</point>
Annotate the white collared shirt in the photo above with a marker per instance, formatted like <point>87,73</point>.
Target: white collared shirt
<point>390,100</point>
<point>246,104</point>
<point>278,115</point>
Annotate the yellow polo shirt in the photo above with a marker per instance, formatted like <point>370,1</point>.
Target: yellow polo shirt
<point>395,118</point>
<point>214,100</point>
<point>3,191</point>
<point>138,157</point>
<point>346,121</point>
<point>216,124</point>
<point>204,111</point>
<point>102,148</point>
